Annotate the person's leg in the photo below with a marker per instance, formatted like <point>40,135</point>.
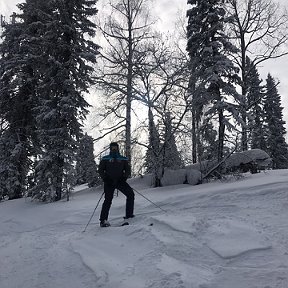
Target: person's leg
<point>109,191</point>
<point>125,188</point>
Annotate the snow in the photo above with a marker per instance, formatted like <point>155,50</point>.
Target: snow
<point>216,235</point>
<point>172,177</point>
<point>222,234</point>
<point>235,160</point>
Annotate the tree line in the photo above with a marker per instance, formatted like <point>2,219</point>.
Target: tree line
<point>179,105</point>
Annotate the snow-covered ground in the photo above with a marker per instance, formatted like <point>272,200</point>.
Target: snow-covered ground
<point>217,235</point>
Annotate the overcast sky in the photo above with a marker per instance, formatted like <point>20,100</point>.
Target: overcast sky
<point>167,11</point>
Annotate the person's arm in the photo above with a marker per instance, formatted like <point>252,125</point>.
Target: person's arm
<point>101,169</point>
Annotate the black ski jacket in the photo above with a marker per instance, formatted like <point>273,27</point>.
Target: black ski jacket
<point>114,168</point>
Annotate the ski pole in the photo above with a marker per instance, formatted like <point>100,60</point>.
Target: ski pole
<point>149,200</point>
<point>93,213</point>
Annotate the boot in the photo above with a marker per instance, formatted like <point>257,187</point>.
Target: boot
<point>105,223</point>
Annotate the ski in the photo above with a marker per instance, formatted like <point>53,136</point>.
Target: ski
<point>117,225</point>
<point>124,224</point>
<point>127,223</point>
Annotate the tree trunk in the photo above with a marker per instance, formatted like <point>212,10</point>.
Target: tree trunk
<point>59,178</point>
<point>221,135</point>
<point>129,88</point>
<point>244,138</point>
<point>194,138</point>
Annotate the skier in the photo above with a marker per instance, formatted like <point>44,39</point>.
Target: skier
<point>114,169</point>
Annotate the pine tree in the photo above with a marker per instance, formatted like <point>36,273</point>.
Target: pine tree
<point>86,168</point>
<point>171,156</point>
<point>161,153</point>
<point>199,97</point>
<point>17,102</point>
<point>153,156</point>
<point>64,75</point>
<point>208,142</point>
<point>276,146</point>
<point>255,95</point>
<point>213,73</point>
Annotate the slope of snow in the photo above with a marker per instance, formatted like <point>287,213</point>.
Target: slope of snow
<point>216,235</point>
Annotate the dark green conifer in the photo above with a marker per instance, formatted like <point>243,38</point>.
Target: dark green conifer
<point>276,144</point>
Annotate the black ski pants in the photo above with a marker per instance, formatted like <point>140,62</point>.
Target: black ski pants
<point>109,189</point>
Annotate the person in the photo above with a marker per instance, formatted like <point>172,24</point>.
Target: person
<point>114,169</point>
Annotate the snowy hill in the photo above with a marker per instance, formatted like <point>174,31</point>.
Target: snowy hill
<point>216,235</point>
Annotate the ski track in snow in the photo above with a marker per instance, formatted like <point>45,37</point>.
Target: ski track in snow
<point>215,235</point>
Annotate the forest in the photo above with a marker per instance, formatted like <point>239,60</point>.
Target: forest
<point>169,99</point>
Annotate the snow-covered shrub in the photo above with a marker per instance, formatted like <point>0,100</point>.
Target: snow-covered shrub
<point>194,177</point>
<point>173,177</point>
<point>141,182</point>
<point>252,160</point>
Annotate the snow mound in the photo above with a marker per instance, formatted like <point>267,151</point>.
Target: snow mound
<point>183,223</point>
<point>251,156</point>
<point>186,275</point>
<point>173,177</point>
<point>193,176</point>
<point>181,176</point>
<point>141,182</point>
<point>229,238</point>
<point>81,187</point>
<point>237,159</point>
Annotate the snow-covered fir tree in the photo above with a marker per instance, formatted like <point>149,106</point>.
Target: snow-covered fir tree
<point>153,156</point>
<point>208,46</point>
<point>208,142</point>
<point>276,145</point>
<point>162,151</point>
<point>18,79</point>
<point>255,96</point>
<point>197,91</point>
<point>171,156</point>
<point>64,74</point>
<point>86,168</point>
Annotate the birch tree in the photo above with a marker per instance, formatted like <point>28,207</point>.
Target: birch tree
<point>161,88</point>
<point>125,31</point>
